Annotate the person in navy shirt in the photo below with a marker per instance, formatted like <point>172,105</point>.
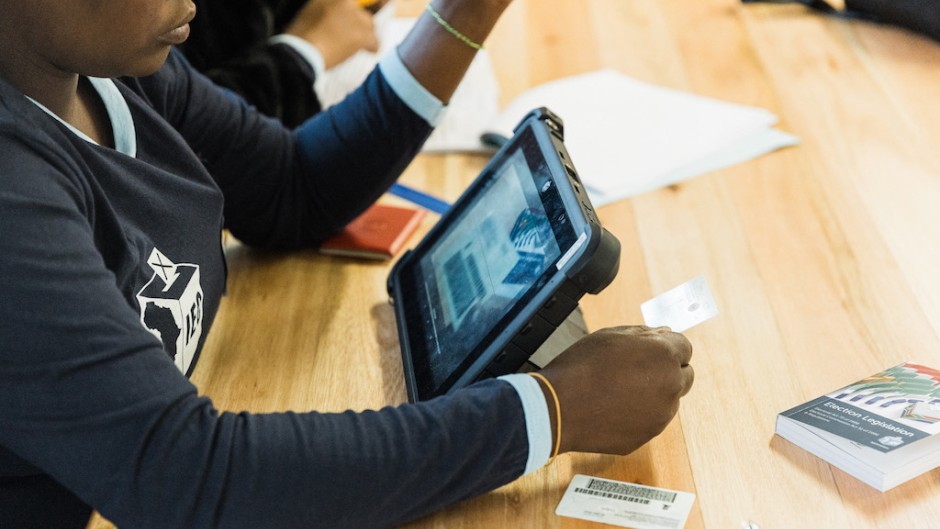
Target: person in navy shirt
<point>120,166</point>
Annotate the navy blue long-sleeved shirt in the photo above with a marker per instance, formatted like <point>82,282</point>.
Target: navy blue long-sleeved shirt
<point>111,272</point>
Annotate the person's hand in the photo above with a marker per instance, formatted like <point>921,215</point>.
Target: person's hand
<point>618,388</point>
<point>338,28</point>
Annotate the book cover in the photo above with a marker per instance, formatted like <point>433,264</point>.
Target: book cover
<point>882,429</point>
<point>378,233</point>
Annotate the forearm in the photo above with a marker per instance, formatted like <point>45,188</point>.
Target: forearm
<point>436,58</point>
<point>380,469</point>
<point>371,469</point>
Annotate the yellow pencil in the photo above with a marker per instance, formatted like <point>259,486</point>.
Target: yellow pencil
<point>371,6</point>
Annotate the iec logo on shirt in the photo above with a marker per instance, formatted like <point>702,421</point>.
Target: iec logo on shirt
<point>171,307</point>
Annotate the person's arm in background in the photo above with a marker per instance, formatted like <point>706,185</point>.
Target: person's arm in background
<point>270,53</point>
<point>336,29</point>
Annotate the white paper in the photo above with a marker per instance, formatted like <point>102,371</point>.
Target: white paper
<point>681,308</point>
<point>626,136</point>
<point>746,149</point>
<point>625,504</point>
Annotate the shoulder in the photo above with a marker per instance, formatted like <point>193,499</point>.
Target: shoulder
<point>32,143</point>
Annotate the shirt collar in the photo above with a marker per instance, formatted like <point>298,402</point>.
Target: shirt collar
<point>119,114</point>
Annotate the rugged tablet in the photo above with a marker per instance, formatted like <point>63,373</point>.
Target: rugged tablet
<point>502,268</point>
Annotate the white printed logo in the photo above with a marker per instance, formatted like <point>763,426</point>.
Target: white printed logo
<point>171,307</point>
<point>891,441</point>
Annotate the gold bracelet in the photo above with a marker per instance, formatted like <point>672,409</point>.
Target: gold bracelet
<point>451,29</point>
<point>551,390</point>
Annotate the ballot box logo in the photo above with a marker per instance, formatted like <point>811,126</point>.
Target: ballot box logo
<point>171,307</point>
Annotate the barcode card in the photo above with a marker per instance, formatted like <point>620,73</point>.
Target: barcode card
<point>625,504</point>
<point>681,308</point>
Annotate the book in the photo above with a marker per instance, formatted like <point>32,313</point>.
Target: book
<point>883,429</point>
<point>378,233</point>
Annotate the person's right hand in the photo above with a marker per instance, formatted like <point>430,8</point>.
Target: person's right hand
<point>338,28</point>
<point>618,388</point>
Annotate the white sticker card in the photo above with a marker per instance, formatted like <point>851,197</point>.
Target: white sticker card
<point>625,504</point>
<point>681,308</point>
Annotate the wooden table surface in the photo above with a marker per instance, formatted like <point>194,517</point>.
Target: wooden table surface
<point>823,259</point>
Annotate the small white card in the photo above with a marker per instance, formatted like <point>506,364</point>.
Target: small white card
<point>625,504</point>
<point>681,308</point>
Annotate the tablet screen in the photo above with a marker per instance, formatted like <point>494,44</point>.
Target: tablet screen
<point>500,246</point>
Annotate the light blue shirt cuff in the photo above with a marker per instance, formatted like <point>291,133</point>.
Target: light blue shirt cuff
<point>538,424</point>
<point>308,51</point>
<point>409,90</point>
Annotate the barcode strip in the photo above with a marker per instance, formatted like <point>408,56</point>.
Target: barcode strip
<point>612,496</point>
<point>633,491</point>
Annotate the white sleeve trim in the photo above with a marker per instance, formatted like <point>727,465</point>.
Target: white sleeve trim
<point>537,422</point>
<point>410,90</point>
<point>308,51</point>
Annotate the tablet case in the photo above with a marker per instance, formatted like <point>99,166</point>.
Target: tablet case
<point>588,272</point>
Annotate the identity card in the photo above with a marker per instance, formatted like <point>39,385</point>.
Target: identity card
<point>681,308</point>
<point>625,504</point>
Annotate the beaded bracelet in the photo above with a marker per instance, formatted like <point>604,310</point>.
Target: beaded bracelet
<point>551,390</point>
<point>451,29</point>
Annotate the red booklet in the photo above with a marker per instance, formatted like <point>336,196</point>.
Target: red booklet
<point>379,233</point>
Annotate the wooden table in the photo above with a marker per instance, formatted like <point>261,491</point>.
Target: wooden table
<point>823,259</point>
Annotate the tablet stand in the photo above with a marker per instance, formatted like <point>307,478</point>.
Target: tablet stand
<point>570,331</point>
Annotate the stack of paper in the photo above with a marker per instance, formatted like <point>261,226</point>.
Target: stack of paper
<point>626,136</point>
